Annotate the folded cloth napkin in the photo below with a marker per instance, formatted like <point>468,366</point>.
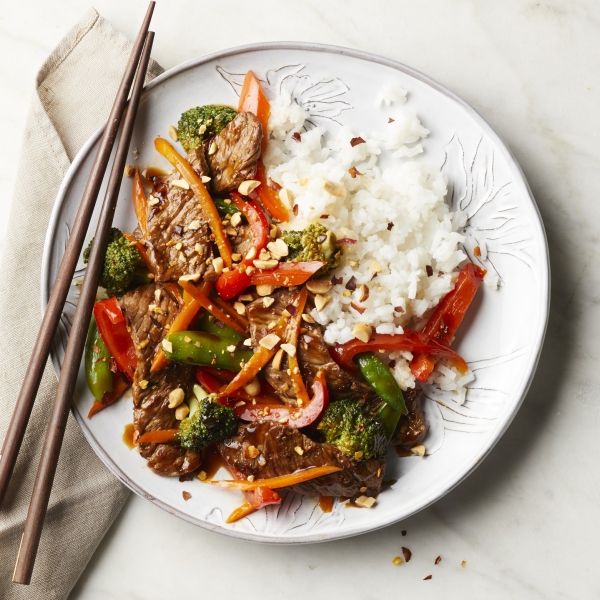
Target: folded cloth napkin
<point>75,89</point>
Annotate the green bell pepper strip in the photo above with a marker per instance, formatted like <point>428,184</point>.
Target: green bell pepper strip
<point>205,349</point>
<point>377,373</point>
<point>228,210</point>
<point>207,324</point>
<point>99,377</point>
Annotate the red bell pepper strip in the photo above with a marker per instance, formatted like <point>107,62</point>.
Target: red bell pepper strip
<point>295,417</point>
<point>277,482</point>
<point>287,274</point>
<point>269,197</point>
<point>257,499</point>
<point>448,315</point>
<point>110,397</point>
<point>158,436</point>
<point>231,283</point>
<point>201,193</point>
<point>113,329</point>
<point>253,99</point>
<point>409,341</point>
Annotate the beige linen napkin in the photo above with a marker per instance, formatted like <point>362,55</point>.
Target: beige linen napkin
<point>75,89</point>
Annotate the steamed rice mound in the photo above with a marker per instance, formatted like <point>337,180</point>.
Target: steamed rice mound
<point>393,222</point>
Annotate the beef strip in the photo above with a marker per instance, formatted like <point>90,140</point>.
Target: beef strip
<point>242,241</point>
<point>313,355</point>
<point>412,428</point>
<point>168,226</point>
<point>151,411</point>
<point>277,444</point>
<point>236,152</point>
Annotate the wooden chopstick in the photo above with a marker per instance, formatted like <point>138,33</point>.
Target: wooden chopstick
<point>72,360</point>
<point>39,356</point>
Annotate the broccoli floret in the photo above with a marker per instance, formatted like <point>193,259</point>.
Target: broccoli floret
<point>197,122</point>
<point>315,242</point>
<point>122,263</point>
<point>207,424</point>
<point>355,433</point>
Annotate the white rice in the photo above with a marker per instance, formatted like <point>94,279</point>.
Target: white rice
<point>315,175</point>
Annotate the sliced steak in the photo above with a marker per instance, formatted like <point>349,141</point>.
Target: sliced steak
<point>313,355</point>
<point>277,444</point>
<point>235,153</point>
<point>412,428</point>
<point>241,239</point>
<point>151,390</point>
<point>178,240</point>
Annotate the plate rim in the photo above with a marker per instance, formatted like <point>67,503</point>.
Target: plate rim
<point>545,278</point>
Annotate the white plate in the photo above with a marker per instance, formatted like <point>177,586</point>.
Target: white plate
<point>501,338</point>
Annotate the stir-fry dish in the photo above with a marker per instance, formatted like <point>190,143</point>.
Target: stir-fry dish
<point>269,325</point>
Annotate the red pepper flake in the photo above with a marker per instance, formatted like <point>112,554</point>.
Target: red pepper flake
<point>390,225</point>
<point>292,310</point>
<point>351,285</point>
<point>429,270</point>
<point>335,280</point>
<point>326,216</point>
<point>357,308</point>
<point>437,560</point>
<point>440,273</point>
<point>178,229</point>
<point>356,141</point>
<point>428,577</point>
<point>390,120</point>
<point>391,365</point>
<point>407,553</point>
<point>477,251</point>
<point>186,495</point>
<point>399,309</point>
<point>345,241</point>
<point>354,172</point>
<point>296,136</point>
<point>403,532</point>
<point>273,185</point>
<point>186,477</point>
<point>295,210</point>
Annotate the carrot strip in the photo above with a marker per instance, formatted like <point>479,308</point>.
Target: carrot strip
<point>119,388</point>
<point>141,249</point>
<point>181,322</point>
<point>259,359</point>
<point>240,512</point>
<point>200,191</point>
<point>292,338</point>
<point>140,203</point>
<point>277,482</point>
<point>210,306</point>
<point>227,308</point>
<point>158,436</point>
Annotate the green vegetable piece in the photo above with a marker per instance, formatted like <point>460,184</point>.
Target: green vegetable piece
<point>316,242</point>
<point>99,377</point>
<point>123,264</point>
<point>228,210</point>
<point>376,372</point>
<point>197,122</point>
<point>208,424</point>
<point>212,325</point>
<point>346,425</point>
<point>389,418</point>
<point>205,349</point>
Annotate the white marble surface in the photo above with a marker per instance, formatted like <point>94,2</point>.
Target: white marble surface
<point>527,521</point>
